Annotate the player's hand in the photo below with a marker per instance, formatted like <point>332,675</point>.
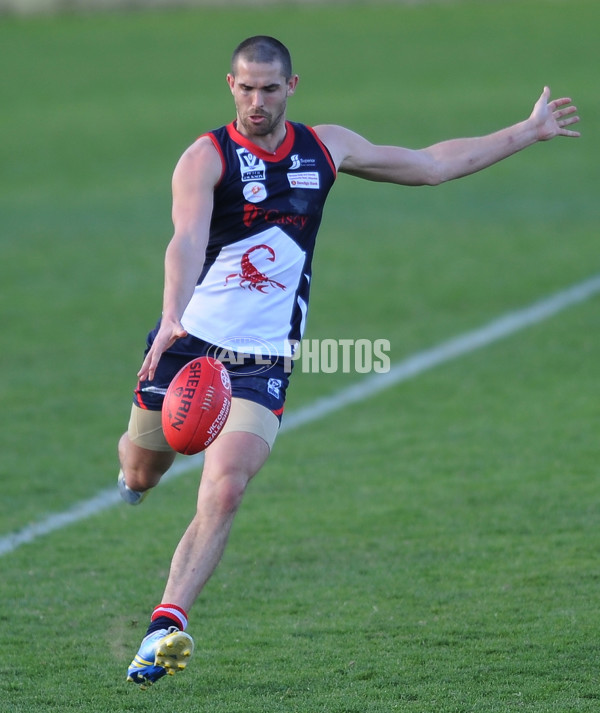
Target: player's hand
<point>551,118</point>
<point>168,333</point>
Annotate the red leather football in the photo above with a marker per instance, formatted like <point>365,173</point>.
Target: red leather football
<point>196,405</point>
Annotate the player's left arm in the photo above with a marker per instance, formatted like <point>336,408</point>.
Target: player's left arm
<point>451,159</point>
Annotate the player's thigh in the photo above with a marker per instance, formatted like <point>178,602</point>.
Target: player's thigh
<point>235,454</point>
<point>253,417</point>
<point>143,450</point>
<point>230,462</point>
<point>245,442</point>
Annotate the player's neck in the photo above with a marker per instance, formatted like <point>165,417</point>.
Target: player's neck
<point>269,142</point>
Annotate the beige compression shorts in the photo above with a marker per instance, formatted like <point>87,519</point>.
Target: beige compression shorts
<point>145,427</point>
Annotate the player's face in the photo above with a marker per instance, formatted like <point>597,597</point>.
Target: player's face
<point>260,92</point>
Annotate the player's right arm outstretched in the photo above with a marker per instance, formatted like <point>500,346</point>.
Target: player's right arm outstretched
<point>447,160</point>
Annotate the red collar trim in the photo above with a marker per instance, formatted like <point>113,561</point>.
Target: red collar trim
<point>259,152</point>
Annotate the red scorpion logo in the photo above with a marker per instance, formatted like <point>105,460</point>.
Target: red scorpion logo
<point>250,276</point>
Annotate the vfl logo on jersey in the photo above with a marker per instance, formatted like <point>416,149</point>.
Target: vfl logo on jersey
<point>250,276</point>
<point>251,167</point>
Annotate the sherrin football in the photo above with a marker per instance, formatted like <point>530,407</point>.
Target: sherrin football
<point>196,405</point>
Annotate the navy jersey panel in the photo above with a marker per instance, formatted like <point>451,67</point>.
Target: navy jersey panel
<point>240,208</point>
<point>267,210</point>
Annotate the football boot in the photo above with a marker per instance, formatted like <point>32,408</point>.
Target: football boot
<point>132,497</point>
<point>161,653</point>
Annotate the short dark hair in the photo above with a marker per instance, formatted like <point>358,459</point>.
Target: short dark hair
<point>263,48</point>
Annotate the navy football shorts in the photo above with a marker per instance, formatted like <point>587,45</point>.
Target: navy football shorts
<point>261,379</point>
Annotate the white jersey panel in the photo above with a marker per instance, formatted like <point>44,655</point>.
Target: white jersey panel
<point>249,292</point>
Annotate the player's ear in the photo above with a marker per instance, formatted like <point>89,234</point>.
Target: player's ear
<point>292,84</point>
<point>231,81</point>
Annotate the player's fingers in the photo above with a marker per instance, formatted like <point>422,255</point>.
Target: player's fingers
<point>569,120</point>
<point>562,101</point>
<point>147,369</point>
<point>160,345</point>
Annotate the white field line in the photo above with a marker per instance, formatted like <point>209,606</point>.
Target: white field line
<point>411,367</point>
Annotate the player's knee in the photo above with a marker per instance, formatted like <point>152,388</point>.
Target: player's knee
<point>141,467</point>
<point>232,492</point>
<point>226,492</point>
<point>141,478</point>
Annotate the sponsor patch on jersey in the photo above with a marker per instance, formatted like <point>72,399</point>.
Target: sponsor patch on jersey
<point>298,162</point>
<point>304,179</point>
<point>255,192</point>
<point>252,168</point>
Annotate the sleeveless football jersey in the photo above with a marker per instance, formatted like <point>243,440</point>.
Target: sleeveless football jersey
<point>255,283</point>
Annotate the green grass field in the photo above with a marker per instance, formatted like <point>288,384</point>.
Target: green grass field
<point>431,549</point>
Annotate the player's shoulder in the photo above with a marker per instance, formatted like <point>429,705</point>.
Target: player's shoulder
<point>201,157</point>
<point>339,140</point>
<point>336,134</point>
<point>202,149</point>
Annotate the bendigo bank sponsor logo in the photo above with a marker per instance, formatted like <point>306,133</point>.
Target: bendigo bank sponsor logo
<point>254,213</point>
